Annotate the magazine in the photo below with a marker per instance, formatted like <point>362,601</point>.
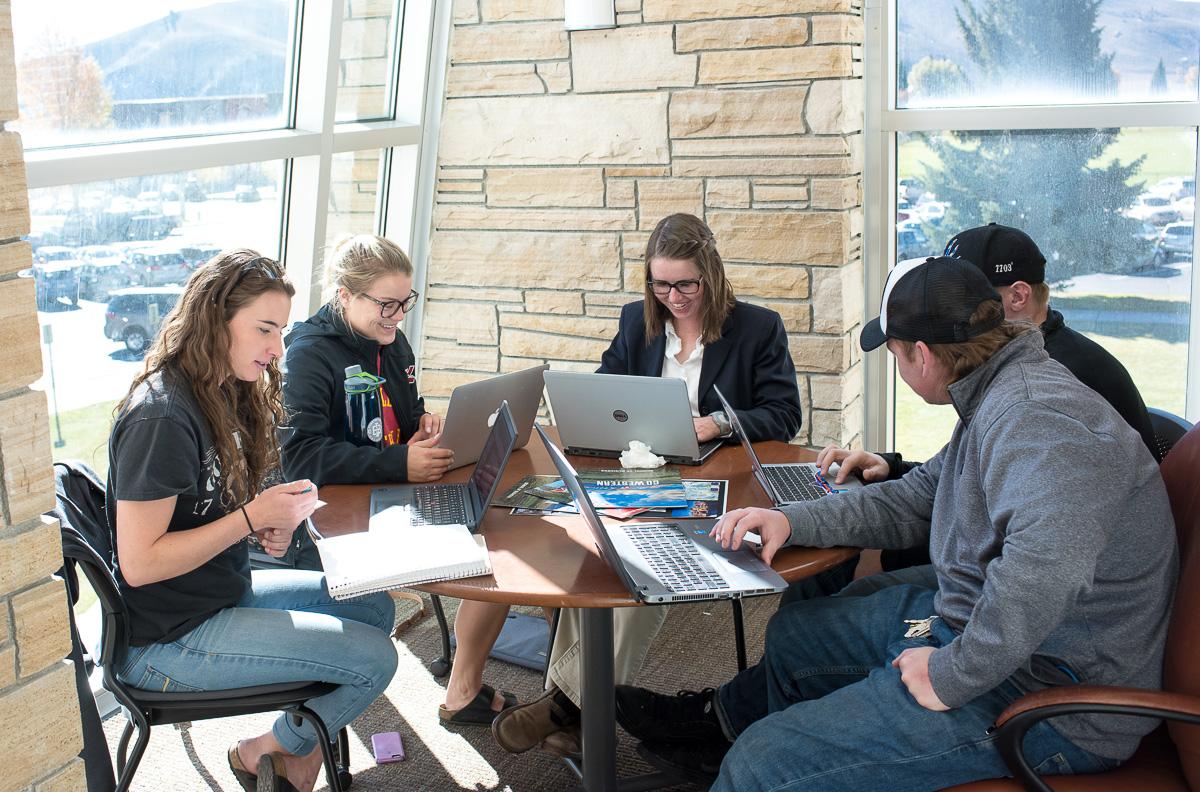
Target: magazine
<point>706,498</point>
<point>617,488</point>
<point>569,508</point>
<point>520,495</point>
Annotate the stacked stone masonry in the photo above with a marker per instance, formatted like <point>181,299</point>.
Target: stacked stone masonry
<point>560,150</point>
<point>39,712</point>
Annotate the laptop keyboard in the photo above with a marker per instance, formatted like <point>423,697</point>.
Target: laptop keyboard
<point>439,504</point>
<point>674,558</point>
<point>795,483</point>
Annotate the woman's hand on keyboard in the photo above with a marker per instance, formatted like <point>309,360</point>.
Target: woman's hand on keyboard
<point>770,525</point>
<point>872,467</point>
<point>427,462</point>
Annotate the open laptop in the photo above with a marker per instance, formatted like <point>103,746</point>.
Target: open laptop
<point>669,562</point>
<point>473,408</point>
<point>790,482</point>
<point>598,414</point>
<point>449,504</point>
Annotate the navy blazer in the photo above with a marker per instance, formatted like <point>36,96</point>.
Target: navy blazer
<point>750,363</point>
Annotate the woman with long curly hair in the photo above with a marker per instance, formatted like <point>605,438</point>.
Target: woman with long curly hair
<point>190,448</point>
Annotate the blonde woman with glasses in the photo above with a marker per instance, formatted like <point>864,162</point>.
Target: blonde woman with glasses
<point>357,418</point>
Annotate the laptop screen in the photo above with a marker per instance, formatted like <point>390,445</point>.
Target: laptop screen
<point>494,456</point>
<point>755,465</point>
<point>590,516</point>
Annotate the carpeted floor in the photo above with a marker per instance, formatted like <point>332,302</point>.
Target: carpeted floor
<point>695,649</point>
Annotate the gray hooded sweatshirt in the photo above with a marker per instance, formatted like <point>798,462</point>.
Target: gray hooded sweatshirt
<point>1051,535</point>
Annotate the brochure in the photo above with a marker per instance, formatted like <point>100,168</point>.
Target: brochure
<point>617,488</point>
<point>706,498</point>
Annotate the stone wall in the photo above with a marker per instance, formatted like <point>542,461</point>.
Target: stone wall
<point>39,711</point>
<point>560,151</point>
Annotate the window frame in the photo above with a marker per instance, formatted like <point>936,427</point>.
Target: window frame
<point>883,121</point>
<point>307,145</point>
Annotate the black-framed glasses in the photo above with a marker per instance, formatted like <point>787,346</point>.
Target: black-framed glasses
<point>662,288</point>
<point>389,308</point>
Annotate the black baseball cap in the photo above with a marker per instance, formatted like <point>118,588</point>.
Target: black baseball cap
<point>1003,253</point>
<point>931,300</point>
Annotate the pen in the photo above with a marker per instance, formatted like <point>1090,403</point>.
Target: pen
<point>306,489</point>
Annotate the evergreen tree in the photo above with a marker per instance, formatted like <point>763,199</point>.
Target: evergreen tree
<point>1158,83</point>
<point>1044,182</point>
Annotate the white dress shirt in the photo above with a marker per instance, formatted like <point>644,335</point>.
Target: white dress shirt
<point>688,370</point>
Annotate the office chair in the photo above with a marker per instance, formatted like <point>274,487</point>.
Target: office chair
<point>146,708</point>
<point>1168,428</point>
<point>1168,758</point>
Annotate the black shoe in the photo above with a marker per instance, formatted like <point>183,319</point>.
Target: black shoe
<point>698,762</point>
<point>689,716</point>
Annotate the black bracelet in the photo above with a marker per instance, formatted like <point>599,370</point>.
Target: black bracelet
<point>249,524</point>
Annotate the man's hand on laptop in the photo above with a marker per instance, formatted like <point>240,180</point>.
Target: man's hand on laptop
<point>427,462</point>
<point>428,426</point>
<point>872,467</point>
<point>706,429</point>
<point>770,525</point>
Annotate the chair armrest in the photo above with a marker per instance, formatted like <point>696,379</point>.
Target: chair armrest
<point>1082,698</point>
<point>1029,710</point>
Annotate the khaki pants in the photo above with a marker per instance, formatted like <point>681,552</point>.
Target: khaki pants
<point>633,631</point>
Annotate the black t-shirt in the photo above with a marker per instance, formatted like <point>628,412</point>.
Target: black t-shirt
<point>160,446</point>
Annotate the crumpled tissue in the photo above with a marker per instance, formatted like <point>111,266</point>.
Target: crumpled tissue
<point>638,455</point>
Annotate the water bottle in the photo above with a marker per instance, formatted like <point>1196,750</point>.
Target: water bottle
<point>363,415</point>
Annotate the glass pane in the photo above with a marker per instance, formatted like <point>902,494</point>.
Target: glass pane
<point>1111,210</point>
<point>367,58</point>
<point>1020,52</point>
<point>91,72</point>
<point>353,193</point>
<point>110,259</point>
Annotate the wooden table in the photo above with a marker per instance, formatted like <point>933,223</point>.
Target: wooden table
<point>553,562</point>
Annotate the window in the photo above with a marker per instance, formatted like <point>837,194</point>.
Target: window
<point>159,133</point>
<point>1074,121</point>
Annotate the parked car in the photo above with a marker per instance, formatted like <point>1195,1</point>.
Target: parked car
<point>48,253</point>
<point>197,253</point>
<point>911,242</point>
<point>157,265</point>
<point>135,315</point>
<point>54,280</point>
<point>1176,240</point>
<point>100,277</point>
<point>910,189</point>
<point>1154,209</point>
<point>1186,207</point>
<point>244,193</point>
<point>192,191</point>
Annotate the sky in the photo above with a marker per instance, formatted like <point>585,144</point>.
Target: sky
<point>88,20</point>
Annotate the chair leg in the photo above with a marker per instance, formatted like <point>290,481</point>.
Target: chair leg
<point>125,770</point>
<point>739,634</point>
<point>441,666</point>
<point>337,781</point>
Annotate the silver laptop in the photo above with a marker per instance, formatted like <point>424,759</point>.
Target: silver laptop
<point>790,482</point>
<point>669,562</point>
<point>450,504</point>
<point>473,408</point>
<point>598,414</point>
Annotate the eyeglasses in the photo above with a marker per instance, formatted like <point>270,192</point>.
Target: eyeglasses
<point>662,288</point>
<point>389,308</point>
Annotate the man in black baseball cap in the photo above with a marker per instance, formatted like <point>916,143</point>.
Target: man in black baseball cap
<point>1053,560</point>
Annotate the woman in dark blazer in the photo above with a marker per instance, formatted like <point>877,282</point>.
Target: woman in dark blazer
<point>688,303</point>
<point>689,326</point>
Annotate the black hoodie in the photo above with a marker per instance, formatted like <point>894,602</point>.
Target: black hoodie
<point>316,443</point>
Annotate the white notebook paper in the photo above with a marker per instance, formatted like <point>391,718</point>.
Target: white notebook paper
<point>393,553</point>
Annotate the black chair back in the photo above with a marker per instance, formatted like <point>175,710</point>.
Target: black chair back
<point>1168,430</point>
<point>114,616</point>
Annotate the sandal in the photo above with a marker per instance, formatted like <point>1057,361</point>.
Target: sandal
<point>248,780</point>
<point>479,711</point>
<point>272,777</point>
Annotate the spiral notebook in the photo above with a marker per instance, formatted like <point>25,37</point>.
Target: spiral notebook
<point>394,553</point>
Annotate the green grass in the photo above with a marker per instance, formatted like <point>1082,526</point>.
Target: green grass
<point>85,435</point>
<point>1158,369</point>
<point>1169,152</point>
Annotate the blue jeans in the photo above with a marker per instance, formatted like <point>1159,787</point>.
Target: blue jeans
<point>286,629</point>
<point>841,719</point>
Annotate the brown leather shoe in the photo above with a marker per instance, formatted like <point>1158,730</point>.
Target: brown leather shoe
<point>565,742</point>
<point>519,728</point>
